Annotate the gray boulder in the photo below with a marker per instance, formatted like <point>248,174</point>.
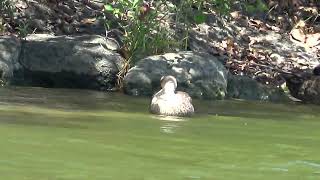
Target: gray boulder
<point>10,48</point>
<point>69,62</point>
<point>243,87</point>
<point>305,88</point>
<point>201,75</point>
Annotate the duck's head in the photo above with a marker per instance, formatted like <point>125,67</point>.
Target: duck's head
<point>168,84</point>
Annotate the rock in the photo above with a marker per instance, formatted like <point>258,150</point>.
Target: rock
<point>276,57</point>
<point>200,75</point>
<point>306,88</point>
<point>95,27</point>
<point>47,16</point>
<point>243,87</point>
<point>38,24</point>
<point>96,5</point>
<point>67,28</point>
<point>37,10</point>
<point>310,90</point>
<point>316,70</point>
<point>233,38</point>
<point>69,62</point>
<point>66,9</point>
<point>10,48</point>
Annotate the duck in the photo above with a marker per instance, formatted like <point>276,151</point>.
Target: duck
<point>170,102</point>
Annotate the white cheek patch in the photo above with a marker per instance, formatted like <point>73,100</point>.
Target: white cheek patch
<point>169,87</point>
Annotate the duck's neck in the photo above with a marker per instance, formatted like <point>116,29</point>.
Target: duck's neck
<point>169,89</point>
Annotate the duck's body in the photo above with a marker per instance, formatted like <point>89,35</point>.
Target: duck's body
<point>169,102</point>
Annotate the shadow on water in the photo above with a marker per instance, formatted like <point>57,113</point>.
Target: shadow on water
<point>258,110</point>
<point>71,100</point>
<point>76,109</point>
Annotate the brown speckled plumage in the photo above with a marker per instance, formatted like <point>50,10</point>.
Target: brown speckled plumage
<point>175,104</point>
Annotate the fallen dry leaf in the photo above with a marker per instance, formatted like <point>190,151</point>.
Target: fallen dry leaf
<point>312,10</point>
<point>313,40</point>
<point>21,5</point>
<point>298,35</point>
<point>88,20</point>
<point>235,14</point>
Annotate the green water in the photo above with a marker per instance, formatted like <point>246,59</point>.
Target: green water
<point>85,135</point>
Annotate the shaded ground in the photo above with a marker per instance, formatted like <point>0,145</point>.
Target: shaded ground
<point>263,45</point>
<point>55,17</point>
<point>255,42</point>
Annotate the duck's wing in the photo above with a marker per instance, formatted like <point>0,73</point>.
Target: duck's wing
<point>184,95</point>
<point>154,106</point>
<point>186,107</point>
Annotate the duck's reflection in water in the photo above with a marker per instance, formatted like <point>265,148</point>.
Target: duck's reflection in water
<point>170,124</point>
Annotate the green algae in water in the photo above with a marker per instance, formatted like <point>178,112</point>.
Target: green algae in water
<point>75,135</point>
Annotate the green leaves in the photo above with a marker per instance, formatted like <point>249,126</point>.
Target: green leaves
<point>108,7</point>
<point>145,26</point>
<point>222,6</point>
<point>115,11</point>
<point>258,6</point>
<point>199,18</point>
<point>135,3</point>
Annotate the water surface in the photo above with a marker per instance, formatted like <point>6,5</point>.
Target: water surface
<point>57,134</point>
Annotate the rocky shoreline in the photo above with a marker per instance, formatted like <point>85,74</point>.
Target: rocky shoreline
<point>85,62</point>
<point>59,61</point>
<point>241,57</point>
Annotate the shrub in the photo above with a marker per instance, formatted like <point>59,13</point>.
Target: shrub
<point>6,11</point>
<point>152,28</point>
